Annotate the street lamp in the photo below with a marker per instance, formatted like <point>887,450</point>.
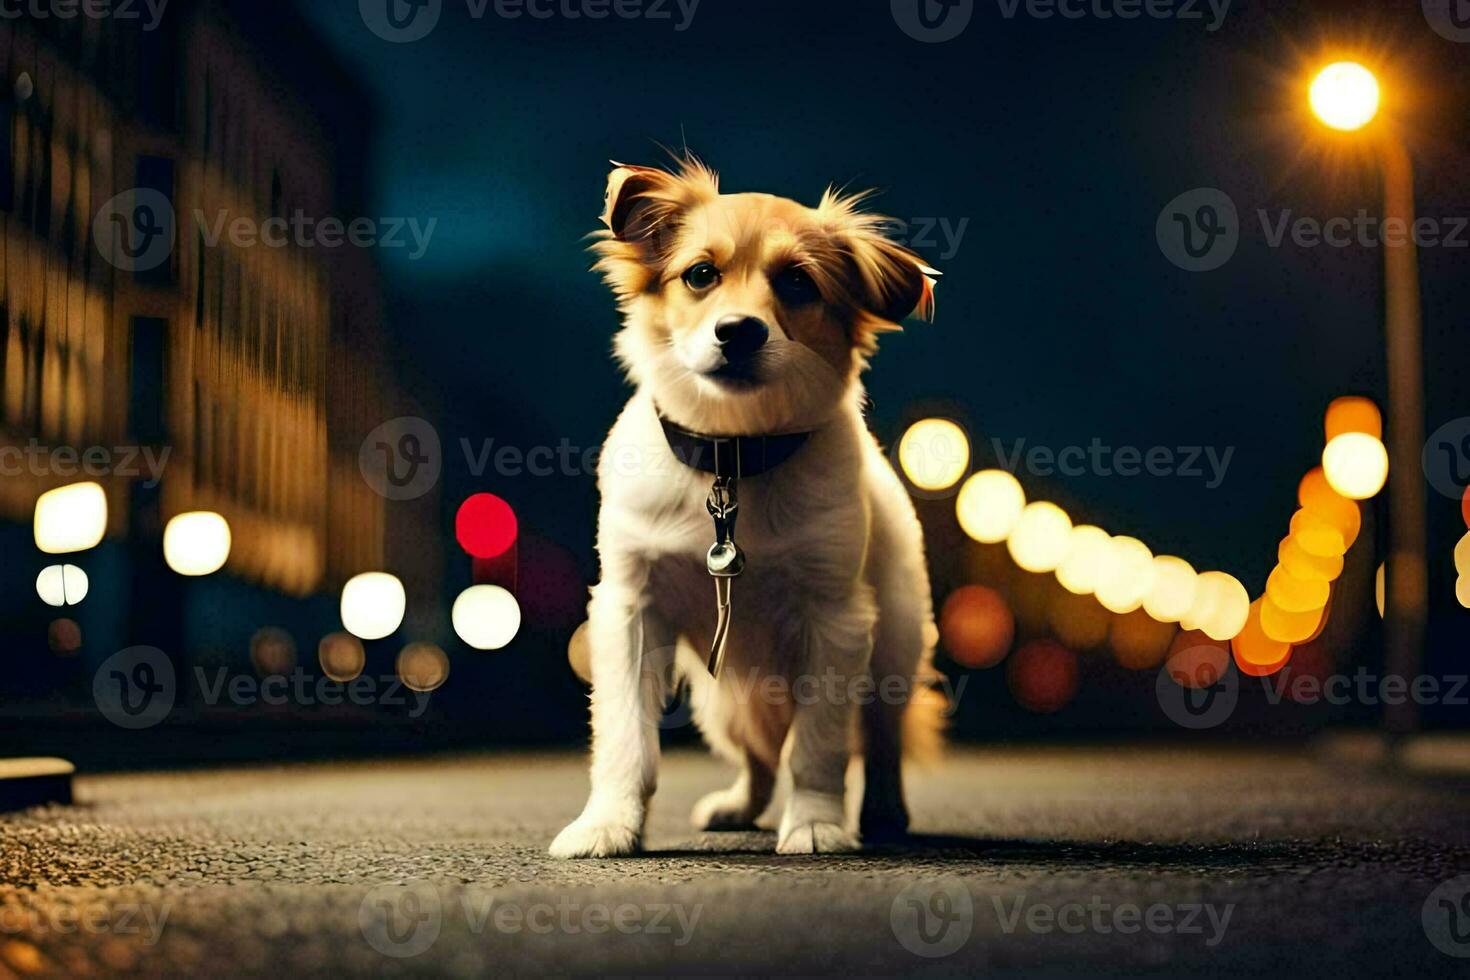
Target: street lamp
<point>1345,96</point>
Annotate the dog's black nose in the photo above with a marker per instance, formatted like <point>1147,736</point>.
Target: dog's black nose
<point>741,336</point>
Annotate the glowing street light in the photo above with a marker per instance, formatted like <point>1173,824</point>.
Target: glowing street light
<point>1346,97</point>
<point>373,604</point>
<point>486,617</point>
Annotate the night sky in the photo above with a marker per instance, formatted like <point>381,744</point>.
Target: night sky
<point>1052,144</point>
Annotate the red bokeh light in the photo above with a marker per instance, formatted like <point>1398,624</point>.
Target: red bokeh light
<point>1465,506</point>
<point>1043,676</point>
<point>976,626</point>
<point>485,526</point>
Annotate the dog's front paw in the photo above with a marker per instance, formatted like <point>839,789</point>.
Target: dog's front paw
<point>726,809</point>
<point>584,838</point>
<point>816,838</point>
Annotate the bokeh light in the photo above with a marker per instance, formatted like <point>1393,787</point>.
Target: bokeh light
<point>1221,607</point>
<point>486,617</point>
<point>1197,661</point>
<point>373,604</point>
<point>197,543</point>
<point>579,654</point>
<point>1129,575</point>
<point>422,667</point>
<point>1296,594</point>
<point>976,626</point>
<point>1344,95</point>
<point>934,454</point>
<point>1289,627</point>
<point>1077,621</point>
<point>341,656</point>
<point>1254,649</point>
<point>1378,588</point>
<point>1315,494</point>
<point>1462,554</point>
<point>1043,676</point>
<point>1086,561</point>
<point>1040,538</point>
<point>1352,413</point>
<point>1139,641</point>
<point>1171,595</point>
<point>272,651</point>
<point>61,585</point>
<point>1465,506</point>
<point>1356,465</point>
<point>1316,535</point>
<point>64,637</point>
<point>71,518</point>
<point>1462,590</point>
<point>1300,563</point>
<point>485,526</point>
<point>989,505</point>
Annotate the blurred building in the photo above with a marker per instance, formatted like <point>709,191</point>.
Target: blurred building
<point>250,372</point>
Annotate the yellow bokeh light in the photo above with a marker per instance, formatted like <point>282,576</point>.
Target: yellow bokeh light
<point>1294,594</point>
<point>1314,493</point>
<point>1462,554</point>
<point>423,667</point>
<point>1302,564</point>
<point>1316,535</point>
<point>579,654</point>
<point>341,656</point>
<point>1356,465</point>
<point>1040,538</point>
<point>61,585</point>
<point>1129,576</point>
<point>1379,590</point>
<point>71,518</point>
<point>1289,627</point>
<point>989,505</point>
<point>486,617</point>
<point>1221,606</point>
<point>1353,413</point>
<point>1171,596</point>
<point>373,604</point>
<point>1462,590</point>
<point>197,543</point>
<point>1086,561</point>
<point>1253,648</point>
<point>934,454</point>
<point>1345,95</point>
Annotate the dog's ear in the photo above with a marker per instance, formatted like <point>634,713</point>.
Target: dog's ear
<point>641,215</point>
<point>631,210</point>
<point>888,281</point>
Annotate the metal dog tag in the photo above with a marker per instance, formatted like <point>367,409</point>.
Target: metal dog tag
<point>725,561</point>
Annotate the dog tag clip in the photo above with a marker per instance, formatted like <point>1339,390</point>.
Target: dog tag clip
<point>725,562</point>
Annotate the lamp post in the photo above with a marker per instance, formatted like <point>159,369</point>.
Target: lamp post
<point>1345,97</point>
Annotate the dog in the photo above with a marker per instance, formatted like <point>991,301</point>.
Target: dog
<point>747,321</point>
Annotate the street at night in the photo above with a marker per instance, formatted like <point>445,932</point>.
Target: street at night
<point>1287,857</point>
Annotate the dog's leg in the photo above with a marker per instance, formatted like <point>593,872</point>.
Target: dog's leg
<point>839,643</point>
<point>632,659</point>
<point>737,807</point>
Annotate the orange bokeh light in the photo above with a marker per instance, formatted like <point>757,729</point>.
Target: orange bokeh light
<point>1317,535</point>
<point>1303,565</point>
<point>976,626</point>
<point>1254,650</point>
<point>1353,414</point>
<point>1289,627</point>
<point>1195,660</point>
<point>1043,676</point>
<point>1293,594</point>
<point>1315,494</point>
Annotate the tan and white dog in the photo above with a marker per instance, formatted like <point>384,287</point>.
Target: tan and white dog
<point>752,316</point>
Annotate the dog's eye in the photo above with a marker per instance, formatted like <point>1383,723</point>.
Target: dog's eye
<point>701,276</point>
<point>795,287</point>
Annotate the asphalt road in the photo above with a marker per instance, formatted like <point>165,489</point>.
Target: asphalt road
<point>1051,862</point>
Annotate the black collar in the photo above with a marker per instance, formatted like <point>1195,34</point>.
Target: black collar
<point>732,456</point>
